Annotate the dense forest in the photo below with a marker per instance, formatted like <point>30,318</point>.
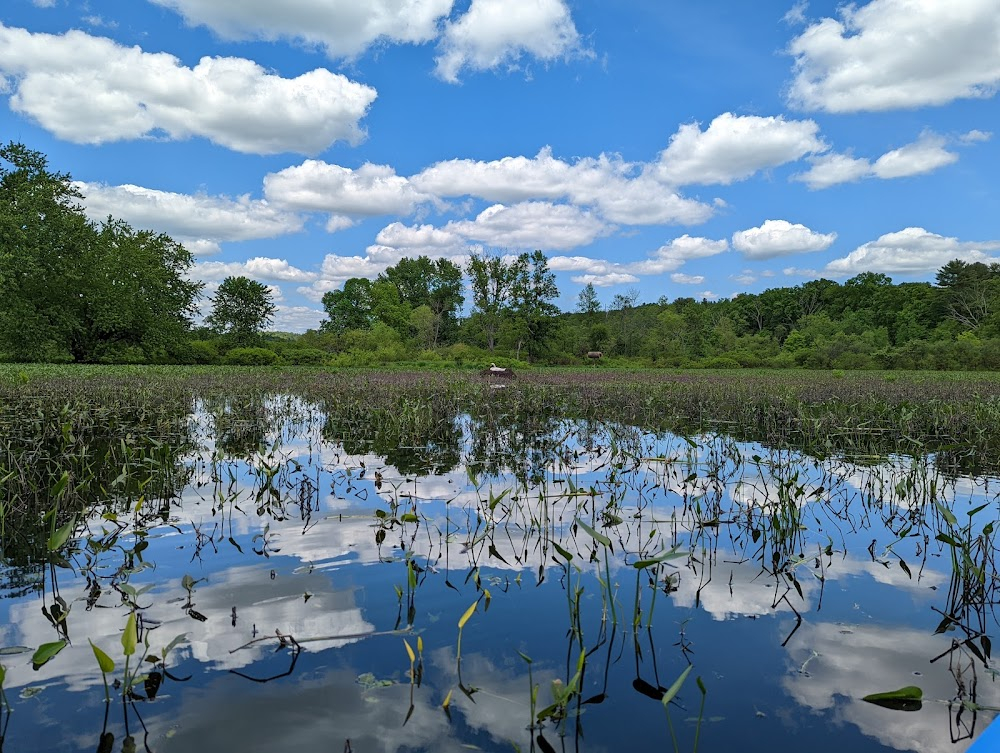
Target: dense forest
<point>75,291</point>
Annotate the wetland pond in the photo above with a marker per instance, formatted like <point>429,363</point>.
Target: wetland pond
<point>273,572</point>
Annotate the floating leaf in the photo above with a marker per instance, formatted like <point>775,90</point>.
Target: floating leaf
<point>904,699</point>
<point>105,662</point>
<point>12,650</point>
<point>45,652</point>
<point>671,554</point>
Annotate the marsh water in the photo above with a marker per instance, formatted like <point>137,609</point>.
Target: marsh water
<point>294,578</point>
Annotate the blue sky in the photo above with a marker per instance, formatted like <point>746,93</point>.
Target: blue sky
<point>666,147</point>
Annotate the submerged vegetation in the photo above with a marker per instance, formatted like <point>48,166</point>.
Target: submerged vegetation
<point>576,560</point>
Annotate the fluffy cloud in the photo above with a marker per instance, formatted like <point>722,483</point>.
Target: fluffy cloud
<point>532,224</point>
<point>344,29</point>
<point>667,258</point>
<point>734,147</point>
<point>897,54</point>
<point>682,279</point>
<point>296,318</point>
<point>926,154</point>
<point>621,191</point>
<point>920,157</point>
<point>494,33</point>
<point>318,186</point>
<point>259,268</point>
<point>910,252</point>
<point>832,169</point>
<point>605,280</point>
<point>780,238</point>
<point>200,222</point>
<point>91,90</point>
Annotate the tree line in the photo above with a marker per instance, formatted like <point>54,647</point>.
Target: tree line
<point>78,291</point>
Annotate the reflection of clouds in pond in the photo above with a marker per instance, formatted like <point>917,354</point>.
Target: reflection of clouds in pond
<point>267,604</point>
<point>739,590</point>
<point>842,663</point>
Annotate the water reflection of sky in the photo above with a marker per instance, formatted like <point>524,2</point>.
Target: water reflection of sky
<point>852,619</point>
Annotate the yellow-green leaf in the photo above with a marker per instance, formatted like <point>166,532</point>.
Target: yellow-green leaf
<point>676,687</point>
<point>105,662</point>
<point>409,651</point>
<point>468,613</point>
<point>131,636</point>
<point>447,699</point>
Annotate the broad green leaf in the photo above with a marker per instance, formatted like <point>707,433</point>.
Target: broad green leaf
<point>59,537</point>
<point>45,652</point>
<point>105,662</point>
<point>565,555</point>
<point>131,636</point>
<point>904,699</point>
<point>947,514</point>
<point>676,687</point>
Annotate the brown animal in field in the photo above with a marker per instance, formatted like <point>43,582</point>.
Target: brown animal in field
<point>594,355</point>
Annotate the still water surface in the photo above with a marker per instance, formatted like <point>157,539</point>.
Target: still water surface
<point>299,565</point>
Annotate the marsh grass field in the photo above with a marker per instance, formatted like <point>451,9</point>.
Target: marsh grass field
<point>257,559</point>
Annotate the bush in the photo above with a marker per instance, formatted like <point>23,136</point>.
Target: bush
<point>305,356</point>
<point>201,351</point>
<point>720,362</point>
<point>250,357</point>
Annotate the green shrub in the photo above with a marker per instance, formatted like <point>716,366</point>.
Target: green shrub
<point>202,351</point>
<point>305,356</point>
<point>250,357</point>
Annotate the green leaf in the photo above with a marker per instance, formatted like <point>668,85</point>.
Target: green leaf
<point>671,554</point>
<point>105,662</point>
<point>594,534</point>
<point>676,687</point>
<point>904,699</point>
<point>59,537</point>
<point>947,514</point>
<point>45,652</point>
<point>131,636</point>
<point>566,555</point>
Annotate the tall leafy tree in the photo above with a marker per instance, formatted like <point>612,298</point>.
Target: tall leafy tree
<point>350,307</point>
<point>587,302</point>
<point>534,290</point>
<point>494,283</point>
<point>436,284</point>
<point>71,290</point>
<point>241,309</point>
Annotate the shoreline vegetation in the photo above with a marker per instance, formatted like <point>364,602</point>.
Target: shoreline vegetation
<point>75,291</point>
<point>955,415</point>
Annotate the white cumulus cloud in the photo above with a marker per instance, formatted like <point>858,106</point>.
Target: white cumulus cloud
<point>532,224</point>
<point>622,192</point>
<point>892,54</point>
<point>682,279</point>
<point>318,186</point>
<point>734,147</point>
<point>910,251</point>
<point>344,28</point>
<point>259,268</point>
<point>200,222</point>
<point>92,90</point>
<point>494,33</point>
<point>780,238</point>
<point>926,154</point>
